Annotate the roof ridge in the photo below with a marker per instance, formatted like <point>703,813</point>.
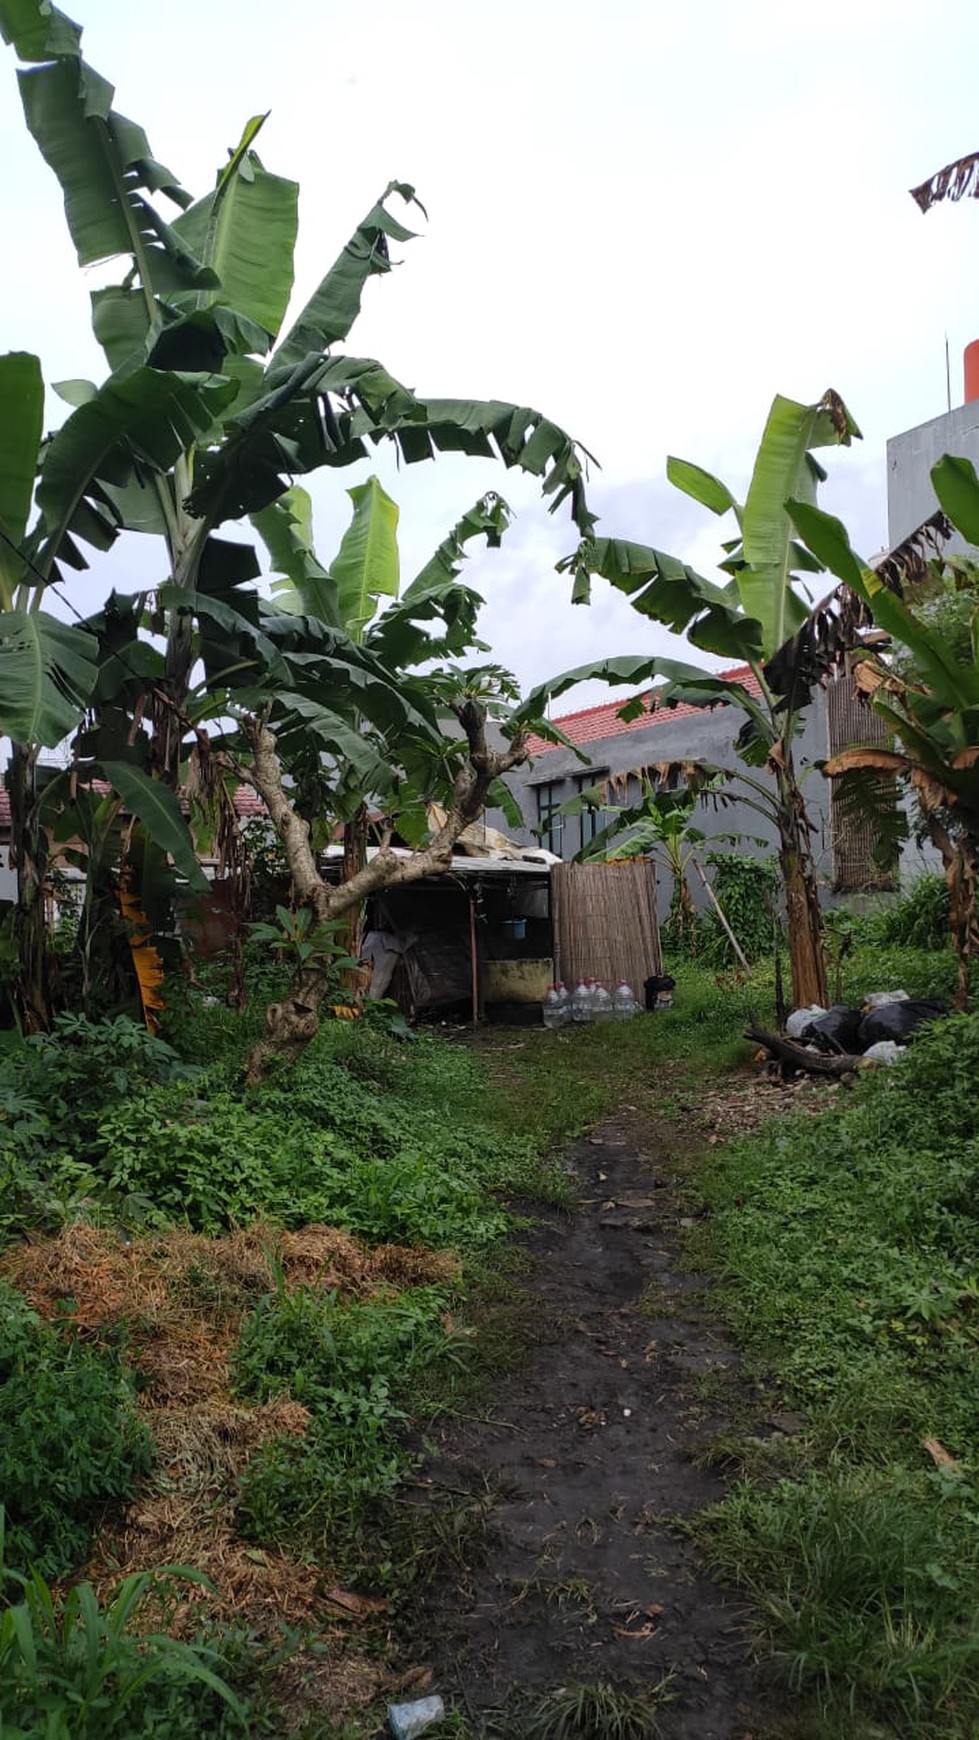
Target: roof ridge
<point>576,724</point>
<point>728,676</point>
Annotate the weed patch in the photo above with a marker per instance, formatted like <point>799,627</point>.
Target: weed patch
<point>71,1441</point>
<point>71,1669</point>
<point>849,1246</point>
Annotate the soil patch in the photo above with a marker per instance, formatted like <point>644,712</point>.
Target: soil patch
<point>592,1448</point>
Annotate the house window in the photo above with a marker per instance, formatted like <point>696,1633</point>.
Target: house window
<point>590,820</point>
<point>549,826</point>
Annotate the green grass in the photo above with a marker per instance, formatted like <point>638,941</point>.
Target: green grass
<point>550,1086</point>
<point>598,1712</point>
<point>848,1246</point>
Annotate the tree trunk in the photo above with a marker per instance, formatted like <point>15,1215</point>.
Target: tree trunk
<point>355,835</point>
<point>28,852</point>
<point>289,1025</point>
<point>292,1023</point>
<point>803,915</point>
<point>960,859</point>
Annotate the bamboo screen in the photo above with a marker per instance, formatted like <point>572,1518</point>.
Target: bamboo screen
<point>605,923</point>
<point>853,724</point>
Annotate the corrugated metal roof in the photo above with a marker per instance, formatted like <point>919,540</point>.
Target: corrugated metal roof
<point>594,724</point>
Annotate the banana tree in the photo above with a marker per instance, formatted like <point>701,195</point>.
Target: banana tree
<point>661,826</point>
<point>212,407</point>
<point>929,701</point>
<point>435,617</point>
<point>426,783</point>
<point>751,618</point>
<point>47,668</point>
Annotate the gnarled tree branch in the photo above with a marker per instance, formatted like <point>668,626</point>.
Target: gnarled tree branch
<point>292,1023</point>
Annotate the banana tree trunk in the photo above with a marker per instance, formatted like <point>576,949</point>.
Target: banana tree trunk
<point>962,889</point>
<point>355,836</point>
<point>682,920</point>
<point>803,914</point>
<point>960,859</point>
<point>28,850</point>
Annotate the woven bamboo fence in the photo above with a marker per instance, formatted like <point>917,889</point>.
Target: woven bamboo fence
<point>605,923</point>
<point>853,724</point>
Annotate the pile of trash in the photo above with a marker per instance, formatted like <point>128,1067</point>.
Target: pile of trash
<point>878,1031</point>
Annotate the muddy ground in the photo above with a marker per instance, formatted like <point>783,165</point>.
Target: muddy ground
<point>590,1448</point>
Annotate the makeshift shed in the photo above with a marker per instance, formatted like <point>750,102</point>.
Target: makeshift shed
<point>477,941</point>
<point>605,923</point>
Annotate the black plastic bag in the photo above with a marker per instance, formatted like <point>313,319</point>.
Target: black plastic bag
<point>836,1031</point>
<point>653,986</point>
<point>899,1021</point>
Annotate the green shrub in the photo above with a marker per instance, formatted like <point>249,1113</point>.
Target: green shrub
<point>80,1065</point>
<point>919,919</point>
<point>353,1365</point>
<point>73,1670</point>
<point>211,1159</point>
<point>375,1137</point>
<point>71,1440</point>
<point>41,1188</point>
<point>53,1089</point>
<point>747,890</point>
<point>322,1350</point>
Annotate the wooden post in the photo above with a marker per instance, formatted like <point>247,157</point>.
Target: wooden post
<point>728,932</point>
<point>474,959</point>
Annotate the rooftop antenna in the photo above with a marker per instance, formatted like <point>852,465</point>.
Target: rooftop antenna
<point>948,375</point>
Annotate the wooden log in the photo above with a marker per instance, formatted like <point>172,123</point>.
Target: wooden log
<point>798,1057</point>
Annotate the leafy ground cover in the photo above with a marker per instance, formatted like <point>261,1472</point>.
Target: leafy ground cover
<point>247,1302</point>
<point>249,1308</point>
<point>848,1244</point>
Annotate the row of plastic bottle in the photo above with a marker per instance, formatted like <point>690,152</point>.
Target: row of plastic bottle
<point>590,1001</point>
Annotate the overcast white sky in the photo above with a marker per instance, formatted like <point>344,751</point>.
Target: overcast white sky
<point>644,219</point>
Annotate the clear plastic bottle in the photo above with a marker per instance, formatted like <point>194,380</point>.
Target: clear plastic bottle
<point>624,1003</point>
<point>563,1003</point>
<point>551,1008</point>
<point>602,1004</point>
<point>581,1004</point>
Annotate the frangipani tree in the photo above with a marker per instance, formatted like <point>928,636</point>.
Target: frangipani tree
<point>408,632</point>
<point>753,619</point>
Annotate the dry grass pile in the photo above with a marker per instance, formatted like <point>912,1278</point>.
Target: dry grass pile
<point>179,1297</point>
<point>328,1681</point>
<point>256,1589</point>
<point>200,1450</point>
<point>176,1299</point>
<point>405,1266</point>
<point>185,1517</point>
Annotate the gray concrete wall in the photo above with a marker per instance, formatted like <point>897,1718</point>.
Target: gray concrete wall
<point>706,736</point>
<point>910,457</point>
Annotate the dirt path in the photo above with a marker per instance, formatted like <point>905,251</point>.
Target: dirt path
<point>590,1445</point>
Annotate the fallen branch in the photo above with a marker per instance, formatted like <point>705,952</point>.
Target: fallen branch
<point>799,1057</point>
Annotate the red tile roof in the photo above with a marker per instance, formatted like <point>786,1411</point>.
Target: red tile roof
<point>247,803</point>
<point>594,724</point>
